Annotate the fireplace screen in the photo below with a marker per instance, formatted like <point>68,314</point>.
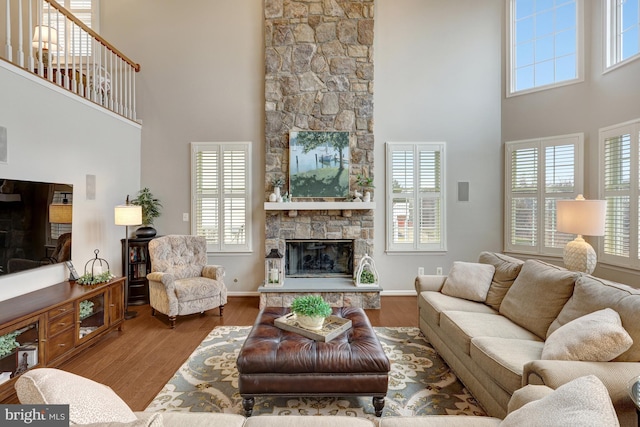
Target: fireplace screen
<point>319,258</point>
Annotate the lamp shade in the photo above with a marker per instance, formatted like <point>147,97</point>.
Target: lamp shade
<point>582,217</point>
<point>48,36</point>
<point>60,213</point>
<point>128,215</point>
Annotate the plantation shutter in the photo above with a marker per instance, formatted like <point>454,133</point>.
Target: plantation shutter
<point>414,189</point>
<point>539,173</point>
<point>617,191</point>
<point>221,176</point>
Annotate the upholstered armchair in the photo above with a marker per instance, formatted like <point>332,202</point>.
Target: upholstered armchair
<point>180,281</point>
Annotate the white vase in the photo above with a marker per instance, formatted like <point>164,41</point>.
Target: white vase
<point>273,197</point>
<point>314,323</point>
<point>276,190</point>
<point>367,196</point>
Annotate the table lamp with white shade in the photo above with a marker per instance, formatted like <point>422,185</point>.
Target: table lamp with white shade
<point>584,218</point>
<point>127,215</point>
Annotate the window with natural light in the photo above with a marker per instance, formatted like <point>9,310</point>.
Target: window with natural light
<point>620,187</point>
<point>538,172</point>
<point>623,31</point>
<point>415,197</point>
<point>545,48</point>
<point>221,194</point>
<point>70,34</point>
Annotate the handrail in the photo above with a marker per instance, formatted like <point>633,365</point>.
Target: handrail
<point>95,35</point>
<point>47,40</point>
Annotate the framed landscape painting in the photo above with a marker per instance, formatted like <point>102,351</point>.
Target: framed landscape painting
<point>319,164</point>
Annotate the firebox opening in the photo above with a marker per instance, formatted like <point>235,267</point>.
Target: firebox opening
<point>319,258</point>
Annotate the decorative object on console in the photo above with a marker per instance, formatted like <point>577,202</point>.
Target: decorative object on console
<point>274,269</point>
<point>365,182</point>
<point>98,272</point>
<point>8,343</point>
<point>319,164</point>
<point>277,183</point>
<point>127,215</point>
<point>367,274</point>
<point>150,211</point>
<point>310,311</point>
<point>581,217</point>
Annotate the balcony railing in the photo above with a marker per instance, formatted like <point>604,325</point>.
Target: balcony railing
<point>47,40</point>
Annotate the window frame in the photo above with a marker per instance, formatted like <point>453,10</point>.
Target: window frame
<point>221,247</point>
<point>612,49</point>
<point>540,194</point>
<point>415,246</point>
<point>510,89</point>
<point>633,128</point>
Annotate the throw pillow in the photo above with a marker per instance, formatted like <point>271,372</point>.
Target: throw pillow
<point>89,401</point>
<point>582,402</point>
<point>507,269</point>
<point>593,294</point>
<point>468,280</point>
<point>596,337</point>
<point>537,295</point>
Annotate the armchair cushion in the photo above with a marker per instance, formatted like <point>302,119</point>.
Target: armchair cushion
<point>194,288</point>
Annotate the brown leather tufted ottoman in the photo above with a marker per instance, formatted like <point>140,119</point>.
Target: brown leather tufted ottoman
<point>274,362</point>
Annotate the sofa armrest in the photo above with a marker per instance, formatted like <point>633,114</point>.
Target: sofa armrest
<point>526,394</point>
<point>427,282</point>
<point>614,375</point>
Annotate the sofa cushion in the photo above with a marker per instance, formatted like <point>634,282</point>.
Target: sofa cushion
<point>537,295</point>
<point>150,420</point>
<point>469,280</point>
<point>307,421</point>
<point>595,337</point>
<point>582,402</point>
<point>593,294</point>
<point>439,421</point>
<point>89,401</point>
<point>504,358</point>
<point>460,327</point>
<point>200,419</point>
<point>431,304</point>
<point>507,269</point>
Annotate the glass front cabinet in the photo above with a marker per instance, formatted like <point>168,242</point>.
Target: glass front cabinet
<point>92,315</point>
<point>21,347</point>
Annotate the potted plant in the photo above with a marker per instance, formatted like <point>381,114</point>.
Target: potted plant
<point>150,211</point>
<point>277,183</point>
<point>365,182</point>
<point>311,310</point>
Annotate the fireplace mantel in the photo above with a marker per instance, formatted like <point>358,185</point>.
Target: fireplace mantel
<point>293,207</point>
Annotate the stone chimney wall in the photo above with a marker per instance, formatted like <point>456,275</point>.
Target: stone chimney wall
<point>319,77</point>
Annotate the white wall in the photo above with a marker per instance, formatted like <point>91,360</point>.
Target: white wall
<point>601,100</point>
<point>55,137</point>
<point>437,77</point>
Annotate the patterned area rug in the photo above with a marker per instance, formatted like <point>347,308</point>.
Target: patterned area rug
<point>420,383</point>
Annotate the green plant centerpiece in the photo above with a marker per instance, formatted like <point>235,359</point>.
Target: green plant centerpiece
<point>310,311</point>
<point>8,343</point>
<point>150,211</point>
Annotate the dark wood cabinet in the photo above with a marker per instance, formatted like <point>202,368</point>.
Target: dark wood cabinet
<point>139,267</point>
<point>44,328</point>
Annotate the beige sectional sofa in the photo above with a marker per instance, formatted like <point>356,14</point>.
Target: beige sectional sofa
<point>493,321</point>
<point>584,402</point>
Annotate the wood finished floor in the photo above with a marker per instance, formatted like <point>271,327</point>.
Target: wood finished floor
<point>139,361</point>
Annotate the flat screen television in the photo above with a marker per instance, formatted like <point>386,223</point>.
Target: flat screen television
<point>35,224</point>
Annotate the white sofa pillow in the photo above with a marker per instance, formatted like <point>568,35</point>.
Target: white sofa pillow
<point>89,402</point>
<point>595,337</point>
<point>469,280</point>
<point>583,402</point>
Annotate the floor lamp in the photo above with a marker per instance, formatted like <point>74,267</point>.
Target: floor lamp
<point>581,217</point>
<point>127,215</point>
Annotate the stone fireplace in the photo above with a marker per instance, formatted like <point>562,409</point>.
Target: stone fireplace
<point>319,77</point>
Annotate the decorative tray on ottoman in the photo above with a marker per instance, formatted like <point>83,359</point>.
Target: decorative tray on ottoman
<point>332,327</point>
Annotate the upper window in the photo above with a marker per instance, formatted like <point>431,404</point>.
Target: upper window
<point>415,197</point>
<point>620,187</point>
<point>623,35</point>
<point>69,34</point>
<point>545,48</point>
<point>538,172</point>
<point>221,195</point>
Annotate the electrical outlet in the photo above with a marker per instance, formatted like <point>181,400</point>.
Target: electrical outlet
<point>185,217</point>
<point>439,271</point>
<point>420,271</point>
